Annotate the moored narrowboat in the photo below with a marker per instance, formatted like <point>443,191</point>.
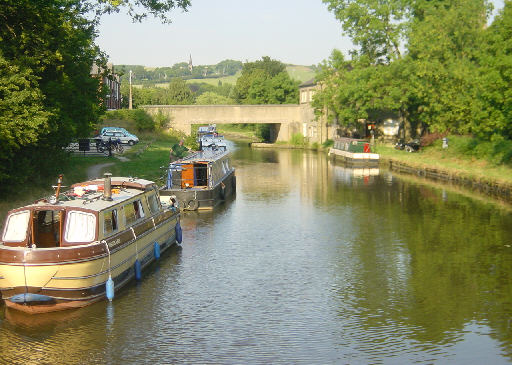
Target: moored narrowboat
<point>80,246</point>
<point>353,152</point>
<point>209,139</point>
<point>200,180</point>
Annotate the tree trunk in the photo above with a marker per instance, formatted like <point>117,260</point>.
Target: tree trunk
<point>405,126</point>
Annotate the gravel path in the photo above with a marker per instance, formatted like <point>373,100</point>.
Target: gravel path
<point>96,171</point>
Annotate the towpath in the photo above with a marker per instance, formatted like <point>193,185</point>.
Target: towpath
<point>97,170</point>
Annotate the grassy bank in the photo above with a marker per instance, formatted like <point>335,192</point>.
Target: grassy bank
<point>146,161</point>
<point>452,162</point>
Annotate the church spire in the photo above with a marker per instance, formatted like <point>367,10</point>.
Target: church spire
<point>190,63</point>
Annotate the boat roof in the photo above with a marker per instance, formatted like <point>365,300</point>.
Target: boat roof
<point>89,195</point>
<point>207,128</point>
<point>207,155</point>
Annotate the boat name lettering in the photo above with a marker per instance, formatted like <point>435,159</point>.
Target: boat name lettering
<point>115,242</point>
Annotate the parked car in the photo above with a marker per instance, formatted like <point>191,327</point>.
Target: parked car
<point>123,136</point>
<point>113,129</point>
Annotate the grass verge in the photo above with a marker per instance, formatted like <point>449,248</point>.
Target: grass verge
<point>450,161</point>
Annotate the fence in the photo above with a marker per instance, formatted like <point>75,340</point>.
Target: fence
<point>87,147</point>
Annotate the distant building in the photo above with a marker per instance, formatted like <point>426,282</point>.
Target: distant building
<point>113,98</point>
<point>314,128</point>
<point>190,67</point>
<point>307,89</point>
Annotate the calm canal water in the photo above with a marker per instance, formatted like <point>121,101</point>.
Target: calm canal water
<point>310,264</point>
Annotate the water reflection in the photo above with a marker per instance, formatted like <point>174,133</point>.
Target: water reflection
<point>311,263</point>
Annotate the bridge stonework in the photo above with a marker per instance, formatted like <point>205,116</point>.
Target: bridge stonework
<point>287,119</point>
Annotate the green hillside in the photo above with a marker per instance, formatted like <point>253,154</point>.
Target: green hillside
<point>209,74</point>
<point>301,73</point>
<point>296,72</point>
<point>215,81</point>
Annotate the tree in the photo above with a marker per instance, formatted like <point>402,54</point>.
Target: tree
<point>137,9</point>
<point>179,93</point>
<point>495,78</point>
<point>435,83</point>
<point>23,119</point>
<point>51,44</point>
<point>376,27</point>
<point>279,89</point>
<point>47,49</point>
<point>265,82</point>
<point>211,98</point>
<point>444,45</point>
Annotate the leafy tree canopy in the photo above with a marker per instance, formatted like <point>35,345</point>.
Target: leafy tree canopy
<point>137,9</point>
<point>211,98</point>
<point>376,27</point>
<point>422,60</point>
<point>180,93</point>
<point>265,82</point>
<point>48,95</point>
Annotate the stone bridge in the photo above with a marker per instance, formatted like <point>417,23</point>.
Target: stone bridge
<point>285,119</point>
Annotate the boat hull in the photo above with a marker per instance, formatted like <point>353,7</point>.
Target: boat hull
<point>198,199</point>
<point>47,280</point>
<point>354,158</point>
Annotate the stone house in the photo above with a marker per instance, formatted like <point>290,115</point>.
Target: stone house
<point>314,128</point>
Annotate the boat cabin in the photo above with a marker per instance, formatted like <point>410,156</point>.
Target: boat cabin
<point>82,215</point>
<point>201,170</point>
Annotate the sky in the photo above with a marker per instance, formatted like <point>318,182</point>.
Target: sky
<point>300,32</point>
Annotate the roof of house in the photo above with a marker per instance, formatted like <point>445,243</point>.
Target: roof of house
<point>311,82</point>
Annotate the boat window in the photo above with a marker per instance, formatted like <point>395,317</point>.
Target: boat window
<point>16,227</point>
<point>139,209</point>
<point>129,214</point>
<point>110,221</point>
<point>80,227</point>
<point>153,203</point>
<point>133,211</point>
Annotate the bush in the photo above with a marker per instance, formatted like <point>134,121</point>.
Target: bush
<point>162,121</point>
<point>498,150</point>
<point>263,132</point>
<point>430,138</point>
<point>297,139</point>
<point>328,143</point>
<point>137,117</point>
<point>143,121</point>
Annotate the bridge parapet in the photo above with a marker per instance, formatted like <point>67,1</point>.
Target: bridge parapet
<point>287,118</point>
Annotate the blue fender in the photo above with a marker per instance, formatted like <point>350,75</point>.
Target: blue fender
<point>179,234</point>
<point>109,286</point>
<point>156,250</point>
<point>137,268</point>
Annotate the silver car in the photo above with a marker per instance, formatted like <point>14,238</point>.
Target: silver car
<point>124,137</point>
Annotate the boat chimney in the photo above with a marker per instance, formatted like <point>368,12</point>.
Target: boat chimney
<point>107,186</point>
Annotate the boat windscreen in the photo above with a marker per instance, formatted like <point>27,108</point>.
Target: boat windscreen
<point>80,227</point>
<point>16,227</point>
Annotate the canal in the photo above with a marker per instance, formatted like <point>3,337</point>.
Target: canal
<point>311,264</point>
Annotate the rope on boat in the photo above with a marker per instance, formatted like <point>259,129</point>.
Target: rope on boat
<point>136,266</point>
